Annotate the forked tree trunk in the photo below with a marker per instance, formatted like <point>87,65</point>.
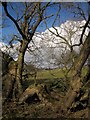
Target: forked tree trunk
<point>76,83</point>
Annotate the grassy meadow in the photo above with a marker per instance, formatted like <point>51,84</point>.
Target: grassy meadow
<point>53,73</point>
<point>54,77</point>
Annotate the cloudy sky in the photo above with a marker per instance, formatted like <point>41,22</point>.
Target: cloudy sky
<point>64,15</point>
<point>46,47</point>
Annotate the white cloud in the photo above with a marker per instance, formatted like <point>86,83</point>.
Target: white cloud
<point>46,44</point>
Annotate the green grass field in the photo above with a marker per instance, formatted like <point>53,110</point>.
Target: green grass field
<point>49,74</point>
<point>54,73</point>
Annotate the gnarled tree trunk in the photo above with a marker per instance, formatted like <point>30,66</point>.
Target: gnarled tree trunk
<point>76,83</point>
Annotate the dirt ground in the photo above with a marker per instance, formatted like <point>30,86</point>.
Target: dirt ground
<point>46,109</point>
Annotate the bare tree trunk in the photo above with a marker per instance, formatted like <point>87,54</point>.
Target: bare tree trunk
<point>19,74</point>
<point>76,83</point>
<point>87,77</point>
<point>20,62</point>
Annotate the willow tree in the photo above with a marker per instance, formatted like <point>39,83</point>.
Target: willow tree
<point>29,17</point>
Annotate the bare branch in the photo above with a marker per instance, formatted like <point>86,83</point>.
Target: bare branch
<point>81,39</point>
<point>8,15</point>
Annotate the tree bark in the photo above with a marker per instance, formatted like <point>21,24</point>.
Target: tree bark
<point>76,83</point>
<point>87,76</point>
<point>20,62</point>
